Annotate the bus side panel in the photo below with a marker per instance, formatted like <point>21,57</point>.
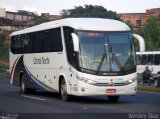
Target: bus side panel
<point>20,70</point>
<point>70,77</point>
<point>41,68</point>
<point>16,69</point>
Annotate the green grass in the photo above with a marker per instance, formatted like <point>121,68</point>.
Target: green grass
<point>149,89</point>
<point>4,48</point>
<point>4,55</point>
<point>4,74</point>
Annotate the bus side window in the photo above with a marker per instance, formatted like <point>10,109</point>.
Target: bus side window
<point>13,44</point>
<point>150,60</point>
<point>38,42</point>
<point>17,44</point>
<point>29,47</point>
<point>45,41</point>
<point>26,44</point>
<point>157,59</point>
<point>55,40</point>
<point>69,46</point>
<point>138,59</point>
<point>143,60</point>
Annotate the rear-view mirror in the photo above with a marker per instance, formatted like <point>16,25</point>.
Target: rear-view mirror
<point>75,42</point>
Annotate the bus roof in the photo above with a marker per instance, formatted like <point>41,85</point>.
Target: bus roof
<point>148,52</point>
<point>92,24</point>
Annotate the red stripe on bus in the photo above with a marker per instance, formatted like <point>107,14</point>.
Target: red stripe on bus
<point>14,67</point>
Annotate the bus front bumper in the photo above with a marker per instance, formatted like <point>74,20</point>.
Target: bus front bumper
<point>86,89</point>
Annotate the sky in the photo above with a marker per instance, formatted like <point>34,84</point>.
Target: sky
<point>55,6</point>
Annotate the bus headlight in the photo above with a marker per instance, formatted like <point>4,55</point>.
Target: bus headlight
<point>132,80</point>
<point>89,81</point>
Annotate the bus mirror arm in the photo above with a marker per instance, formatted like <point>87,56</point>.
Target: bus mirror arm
<point>141,42</point>
<point>75,42</point>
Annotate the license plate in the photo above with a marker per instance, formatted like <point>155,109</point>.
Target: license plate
<point>111,91</point>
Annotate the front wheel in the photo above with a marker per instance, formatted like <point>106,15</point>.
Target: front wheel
<point>113,98</point>
<point>63,91</point>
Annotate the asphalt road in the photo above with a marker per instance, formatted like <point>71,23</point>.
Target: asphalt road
<point>13,102</point>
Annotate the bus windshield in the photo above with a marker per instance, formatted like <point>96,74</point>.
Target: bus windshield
<point>106,51</point>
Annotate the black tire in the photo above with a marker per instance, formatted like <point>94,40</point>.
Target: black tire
<point>113,98</point>
<point>63,91</point>
<point>24,89</point>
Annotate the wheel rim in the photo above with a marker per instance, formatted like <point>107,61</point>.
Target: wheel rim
<point>23,88</point>
<point>64,90</point>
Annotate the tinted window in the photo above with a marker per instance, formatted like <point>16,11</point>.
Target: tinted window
<point>36,42</point>
<point>71,55</point>
<point>17,44</point>
<point>138,59</point>
<point>26,43</point>
<point>143,60</point>
<point>56,40</point>
<point>157,59</point>
<point>150,60</point>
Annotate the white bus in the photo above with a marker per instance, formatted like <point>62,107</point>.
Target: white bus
<point>150,59</point>
<point>75,56</point>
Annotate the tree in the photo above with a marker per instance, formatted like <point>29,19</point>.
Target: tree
<point>89,11</point>
<point>151,33</point>
<point>23,12</point>
<point>40,19</point>
<point>136,42</point>
<point>4,53</point>
<point>4,48</point>
<point>128,22</point>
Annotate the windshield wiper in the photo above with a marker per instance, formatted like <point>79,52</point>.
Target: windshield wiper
<point>101,62</point>
<point>113,57</point>
<point>103,57</point>
<point>116,61</point>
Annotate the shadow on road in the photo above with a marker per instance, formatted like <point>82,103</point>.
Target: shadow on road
<point>79,99</point>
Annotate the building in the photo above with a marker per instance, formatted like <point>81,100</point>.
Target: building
<point>20,16</point>
<point>54,17</point>
<point>138,20</point>
<point>11,21</point>
<point>15,20</point>
<point>51,17</point>
<point>45,14</point>
<point>153,12</point>
<point>2,12</point>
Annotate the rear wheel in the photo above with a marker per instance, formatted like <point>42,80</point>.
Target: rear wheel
<point>63,91</point>
<point>113,98</point>
<point>24,89</point>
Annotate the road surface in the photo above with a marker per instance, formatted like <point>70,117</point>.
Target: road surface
<point>39,103</point>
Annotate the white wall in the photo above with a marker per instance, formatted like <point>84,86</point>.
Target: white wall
<point>2,12</point>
